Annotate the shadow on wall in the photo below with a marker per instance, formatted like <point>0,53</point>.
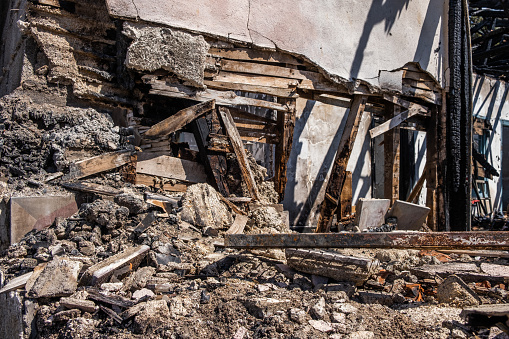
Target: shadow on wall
<point>387,12</point>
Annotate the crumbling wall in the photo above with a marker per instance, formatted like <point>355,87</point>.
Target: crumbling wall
<point>490,103</point>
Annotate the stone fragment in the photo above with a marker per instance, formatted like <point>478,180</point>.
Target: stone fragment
<point>202,207</point>
<point>59,278</point>
<point>135,204</point>
<point>297,315</point>
<point>240,333</point>
<point>142,275</point>
<point>265,307</point>
<point>318,310</point>
<point>361,335</point>
<point>87,248</point>
<point>338,317</point>
<point>499,272</point>
<point>154,315</point>
<point>376,298</point>
<point>321,325</point>
<point>100,272</point>
<point>453,290</point>
<point>345,308</point>
<point>371,212</point>
<point>73,303</point>
<point>143,293</point>
<point>112,287</point>
<point>105,213</point>
<point>66,315</point>
<point>410,216</point>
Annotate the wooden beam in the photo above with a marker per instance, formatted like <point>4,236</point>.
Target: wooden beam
<point>89,187</point>
<point>98,164</point>
<point>179,120</point>
<point>337,178</point>
<point>285,126</point>
<point>238,146</point>
<point>175,168</point>
<point>161,183</point>
<point>250,54</point>
<point>345,198</point>
<point>391,156</point>
<point>392,123</point>
<point>263,69</point>
<point>255,80</point>
<point>418,187</point>
<point>277,92</point>
<point>238,225</point>
<point>225,98</point>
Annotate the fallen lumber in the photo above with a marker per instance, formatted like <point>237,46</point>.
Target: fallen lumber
<point>161,183</point>
<point>98,164</point>
<point>486,254</point>
<point>417,240</point>
<point>89,187</point>
<point>179,120</point>
<point>174,168</point>
<point>332,265</point>
<point>15,283</point>
<point>238,225</point>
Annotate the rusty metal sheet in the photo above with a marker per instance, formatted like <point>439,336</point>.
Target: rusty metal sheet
<point>415,240</point>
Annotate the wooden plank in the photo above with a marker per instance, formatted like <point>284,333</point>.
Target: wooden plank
<point>89,187</point>
<point>241,115</point>
<point>161,183</point>
<point>338,173</point>
<point>174,168</point>
<point>392,123</point>
<point>232,206</point>
<point>391,157</point>
<point>405,103</point>
<point>179,120</point>
<point>345,198</point>
<point>418,187</point>
<point>255,80</point>
<point>98,164</point>
<point>251,54</point>
<point>222,97</point>
<point>278,92</point>
<point>285,126</point>
<point>263,69</point>
<point>238,146</point>
<point>238,225</point>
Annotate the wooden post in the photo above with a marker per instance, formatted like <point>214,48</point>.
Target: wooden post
<point>391,156</point>
<point>431,168</point>
<point>285,126</point>
<point>338,174</point>
<point>238,147</point>
<point>345,198</point>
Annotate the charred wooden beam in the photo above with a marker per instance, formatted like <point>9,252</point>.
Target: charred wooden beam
<point>337,177</point>
<point>285,126</point>
<point>391,156</point>
<point>414,240</point>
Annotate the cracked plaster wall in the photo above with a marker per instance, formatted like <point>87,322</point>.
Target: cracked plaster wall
<point>352,39</point>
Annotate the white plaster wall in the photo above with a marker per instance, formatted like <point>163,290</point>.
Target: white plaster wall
<point>317,133</point>
<point>353,39</point>
<point>491,102</point>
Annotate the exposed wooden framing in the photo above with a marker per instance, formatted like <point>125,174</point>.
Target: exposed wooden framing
<point>255,80</point>
<point>285,126</point>
<point>337,178</point>
<point>215,163</point>
<point>277,92</point>
<point>238,146</point>
<point>418,186</point>
<point>423,110</point>
<point>179,120</point>
<point>98,164</point>
<point>345,198</point>
<point>392,123</point>
<point>232,206</point>
<point>264,69</point>
<point>251,54</point>
<point>225,98</point>
<point>391,156</point>
<point>430,171</point>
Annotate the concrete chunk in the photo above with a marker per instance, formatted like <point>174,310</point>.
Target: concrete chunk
<point>454,290</point>
<point>371,212</point>
<point>58,279</point>
<point>101,272</point>
<point>410,216</point>
<point>265,307</point>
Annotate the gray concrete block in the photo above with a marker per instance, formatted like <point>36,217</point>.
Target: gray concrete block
<point>410,216</point>
<point>371,212</point>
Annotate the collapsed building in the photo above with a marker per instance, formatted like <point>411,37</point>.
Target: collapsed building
<point>124,163</point>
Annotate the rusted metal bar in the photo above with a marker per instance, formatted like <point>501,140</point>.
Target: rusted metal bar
<point>415,240</point>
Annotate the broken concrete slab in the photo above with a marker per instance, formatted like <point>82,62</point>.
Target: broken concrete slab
<point>469,272</point>
<point>333,265</point>
<point>265,307</point>
<point>28,213</point>
<point>59,278</point>
<point>100,272</point>
<point>376,298</point>
<point>453,290</point>
<point>497,272</point>
<point>80,304</point>
<point>371,212</point>
<point>410,216</point>
<point>321,325</point>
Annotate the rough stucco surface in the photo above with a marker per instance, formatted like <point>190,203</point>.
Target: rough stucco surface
<point>162,48</point>
<point>490,103</point>
<point>350,39</point>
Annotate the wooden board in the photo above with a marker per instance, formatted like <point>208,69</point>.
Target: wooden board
<point>238,225</point>
<point>338,173</point>
<point>174,168</point>
<point>392,123</point>
<point>255,80</point>
<point>238,146</point>
<point>179,120</point>
<point>98,164</point>
<point>251,54</point>
<point>285,126</point>
<point>167,185</point>
<point>392,157</point>
<point>263,69</point>
<point>278,92</point>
